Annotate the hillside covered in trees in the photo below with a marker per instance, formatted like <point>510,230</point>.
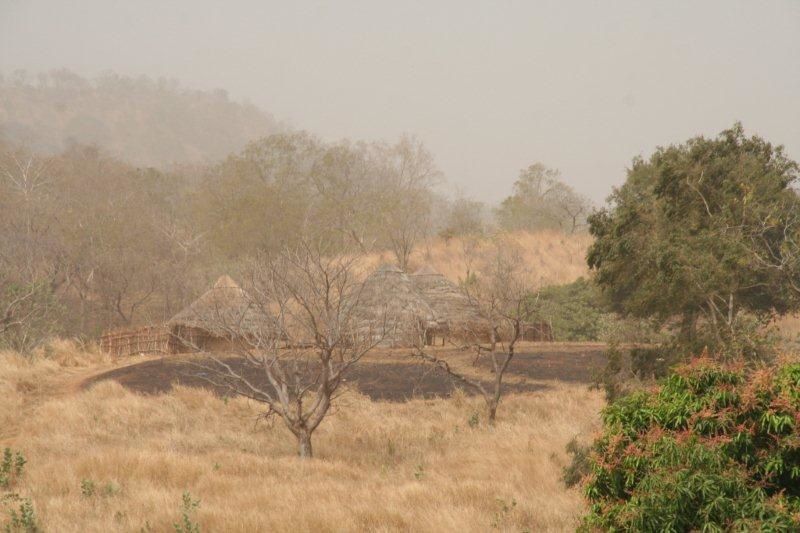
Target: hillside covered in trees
<point>141,120</point>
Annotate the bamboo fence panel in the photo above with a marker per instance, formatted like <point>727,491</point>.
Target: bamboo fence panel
<point>145,340</point>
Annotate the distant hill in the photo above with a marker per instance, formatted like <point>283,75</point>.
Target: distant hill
<point>144,121</point>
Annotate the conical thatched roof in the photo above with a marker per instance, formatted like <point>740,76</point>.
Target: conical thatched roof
<point>389,305</point>
<point>426,270</point>
<point>451,305</point>
<point>224,310</point>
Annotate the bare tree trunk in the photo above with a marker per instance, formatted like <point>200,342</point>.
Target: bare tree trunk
<point>712,308</point>
<point>403,254</point>
<point>492,409</point>
<point>499,370</point>
<point>494,401</point>
<point>304,449</point>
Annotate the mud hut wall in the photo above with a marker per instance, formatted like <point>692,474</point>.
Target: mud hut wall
<point>190,339</point>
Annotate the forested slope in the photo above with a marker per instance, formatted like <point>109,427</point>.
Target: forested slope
<point>144,121</point>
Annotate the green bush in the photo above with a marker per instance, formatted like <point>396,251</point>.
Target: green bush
<point>715,448</point>
<point>23,520</point>
<point>188,509</point>
<point>578,312</point>
<point>575,310</point>
<point>11,467</point>
<point>88,488</point>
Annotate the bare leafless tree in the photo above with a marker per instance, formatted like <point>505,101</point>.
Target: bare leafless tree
<point>344,194</point>
<point>297,338</point>
<point>574,209</point>
<point>408,225</point>
<point>409,172</point>
<point>26,173</point>
<point>10,315</point>
<point>31,259</point>
<point>540,200</point>
<point>507,300</point>
<point>26,311</point>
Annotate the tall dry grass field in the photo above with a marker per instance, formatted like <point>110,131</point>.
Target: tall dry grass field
<point>553,256</point>
<point>423,465</point>
<point>26,382</point>
<point>789,327</point>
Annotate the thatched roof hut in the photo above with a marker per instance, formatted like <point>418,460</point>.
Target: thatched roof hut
<point>453,309</point>
<point>391,307</point>
<point>225,311</point>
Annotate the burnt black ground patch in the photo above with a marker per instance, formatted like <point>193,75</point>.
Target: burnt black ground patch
<point>396,380</point>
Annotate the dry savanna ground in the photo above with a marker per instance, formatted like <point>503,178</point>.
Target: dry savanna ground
<point>104,458</point>
<point>552,256</point>
<point>788,328</point>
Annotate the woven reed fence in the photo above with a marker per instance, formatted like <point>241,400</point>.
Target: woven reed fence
<point>144,340</point>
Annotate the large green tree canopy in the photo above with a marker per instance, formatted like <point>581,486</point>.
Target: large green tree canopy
<point>540,200</point>
<point>706,229</point>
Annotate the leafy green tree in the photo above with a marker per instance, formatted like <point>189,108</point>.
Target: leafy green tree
<point>703,235</point>
<point>540,200</point>
<point>463,217</point>
<point>286,187</point>
<point>258,200</point>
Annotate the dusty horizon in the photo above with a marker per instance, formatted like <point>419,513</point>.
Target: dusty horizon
<point>577,86</point>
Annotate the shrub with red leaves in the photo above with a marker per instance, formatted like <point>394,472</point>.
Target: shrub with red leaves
<point>716,447</point>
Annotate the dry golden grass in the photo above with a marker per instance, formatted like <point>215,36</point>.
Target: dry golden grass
<point>789,327</point>
<point>415,466</point>
<point>26,382</point>
<point>554,257</point>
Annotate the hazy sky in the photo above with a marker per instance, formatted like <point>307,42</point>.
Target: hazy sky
<point>490,87</point>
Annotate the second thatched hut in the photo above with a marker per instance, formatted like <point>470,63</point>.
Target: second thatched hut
<point>392,310</point>
<point>456,314</point>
